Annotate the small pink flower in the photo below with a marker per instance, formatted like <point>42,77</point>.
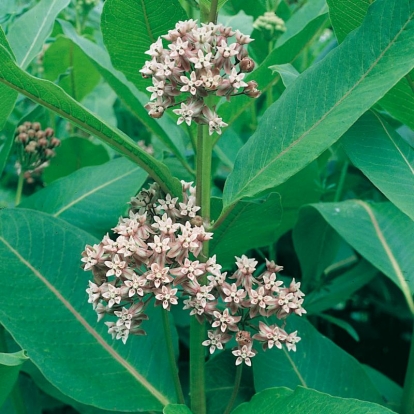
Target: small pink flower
<point>244,354</point>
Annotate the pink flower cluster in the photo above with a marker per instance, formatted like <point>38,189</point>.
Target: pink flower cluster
<point>198,62</point>
<point>154,257</point>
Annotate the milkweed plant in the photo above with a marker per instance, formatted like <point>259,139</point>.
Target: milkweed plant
<point>216,161</point>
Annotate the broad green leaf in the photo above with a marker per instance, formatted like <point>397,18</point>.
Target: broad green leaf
<point>286,53</point>
<point>129,27</point>
<point>297,22</point>
<point>302,400</point>
<point>346,326</point>
<point>10,365</point>
<point>247,226</point>
<point>74,153</point>
<point>384,157</point>
<point>381,233</point>
<point>29,32</point>
<point>82,360</point>
<point>53,97</point>
<point>220,375</point>
<point>287,73</point>
<point>164,128</point>
<point>92,198</point>
<point>318,363</point>
<point>333,290</point>
<point>347,15</point>
<point>293,131</point>
<point>66,63</point>
<point>176,409</point>
<point>391,392</point>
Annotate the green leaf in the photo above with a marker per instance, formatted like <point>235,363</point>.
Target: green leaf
<point>220,374</point>
<point>293,131</point>
<point>92,198</point>
<point>391,392</point>
<point>176,409</point>
<point>384,157</point>
<point>29,32</point>
<point>63,339</point>
<point>347,15</point>
<point>205,5</point>
<point>8,99</point>
<point>302,400</point>
<point>52,97</point>
<point>258,220</point>
<point>377,232</point>
<point>286,53</point>
<point>129,28</point>
<point>166,129</point>
<point>332,291</point>
<point>66,63</point>
<point>346,326</point>
<point>74,153</point>
<point>287,73</point>
<point>318,363</point>
<point>10,365</point>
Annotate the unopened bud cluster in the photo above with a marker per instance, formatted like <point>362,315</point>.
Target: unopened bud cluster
<point>197,63</point>
<point>86,4</point>
<point>154,257</point>
<point>35,147</point>
<point>270,23</point>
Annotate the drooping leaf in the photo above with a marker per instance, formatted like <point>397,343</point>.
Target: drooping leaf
<point>384,157</point>
<point>318,363</point>
<point>378,232</point>
<point>74,153</point>
<point>10,365</point>
<point>65,63</point>
<point>287,73</point>
<point>92,198</point>
<point>332,291</point>
<point>129,28</point>
<point>346,326</point>
<point>303,400</point>
<point>257,220</point>
<point>295,131</point>
<point>51,96</point>
<point>167,131</point>
<point>29,32</point>
<point>63,339</point>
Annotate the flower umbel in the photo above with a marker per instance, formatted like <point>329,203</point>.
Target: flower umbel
<point>197,63</point>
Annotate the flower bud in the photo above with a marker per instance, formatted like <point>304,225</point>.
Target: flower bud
<point>40,134</point>
<point>251,90</point>
<point>42,142</point>
<point>246,65</point>
<point>54,142</point>
<point>22,137</point>
<point>49,132</point>
<point>36,126</point>
<point>31,133</point>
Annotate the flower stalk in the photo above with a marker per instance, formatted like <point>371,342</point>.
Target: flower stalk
<point>236,387</point>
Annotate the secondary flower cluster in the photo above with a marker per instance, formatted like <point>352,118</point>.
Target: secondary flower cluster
<point>35,148</point>
<point>197,63</point>
<point>270,23</point>
<point>154,257</point>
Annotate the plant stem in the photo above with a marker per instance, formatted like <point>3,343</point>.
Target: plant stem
<point>19,189</point>
<point>213,11</point>
<point>236,387</point>
<point>410,81</point>
<point>407,401</point>
<point>341,181</point>
<point>269,93</point>
<point>197,330</point>
<point>171,356</point>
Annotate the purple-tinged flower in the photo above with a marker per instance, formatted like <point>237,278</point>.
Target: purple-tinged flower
<point>215,123</point>
<point>270,336</point>
<point>112,295</point>
<point>233,296</point>
<point>225,321</point>
<point>216,340</point>
<point>190,85</point>
<point>156,49</point>
<point>158,275</point>
<point>167,297</point>
<point>243,355</point>
<point>135,285</point>
<point>158,89</point>
<point>118,267</point>
<point>291,341</point>
<point>236,79</point>
<point>202,60</point>
<point>118,332</point>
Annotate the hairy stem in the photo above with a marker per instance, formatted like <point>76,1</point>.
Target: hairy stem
<point>407,402</point>
<point>19,189</point>
<point>213,11</point>
<point>197,330</point>
<point>171,357</point>
<point>236,387</point>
